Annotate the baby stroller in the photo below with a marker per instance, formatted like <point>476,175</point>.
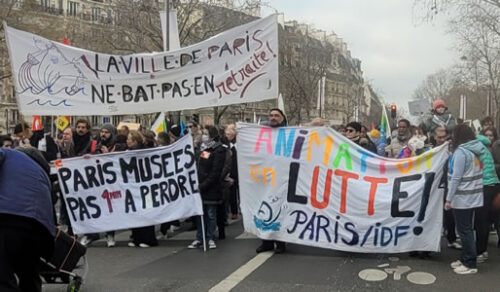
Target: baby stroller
<point>68,264</point>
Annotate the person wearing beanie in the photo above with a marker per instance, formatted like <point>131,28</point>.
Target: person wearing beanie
<point>440,117</point>
<point>379,143</point>
<point>106,141</point>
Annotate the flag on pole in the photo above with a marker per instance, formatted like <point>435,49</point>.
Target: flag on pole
<point>385,129</point>
<point>65,41</point>
<point>183,128</point>
<point>159,125</point>
<point>36,124</point>
<point>281,103</point>
<point>62,122</point>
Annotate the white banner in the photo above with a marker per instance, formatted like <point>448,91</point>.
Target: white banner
<point>130,189</point>
<point>237,66</point>
<point>312,186</point>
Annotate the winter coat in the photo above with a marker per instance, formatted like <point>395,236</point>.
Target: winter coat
<point>25,189</point>
<point>465,179</point>
<point>436,120</point>
<point>380,144</point>
<point>489,172</point>
<point>210,166</point>
<point>495,151</point>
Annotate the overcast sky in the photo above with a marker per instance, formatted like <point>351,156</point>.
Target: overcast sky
<point>396,54</point>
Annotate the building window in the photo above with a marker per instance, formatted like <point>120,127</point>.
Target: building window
<point>45,3</point>
<point>96,14</point>
<point>73,8</point>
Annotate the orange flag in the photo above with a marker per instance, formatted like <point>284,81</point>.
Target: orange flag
<point>65,41</point>
<point>36,124</point>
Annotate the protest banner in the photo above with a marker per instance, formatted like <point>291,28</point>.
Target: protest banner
<point>130,189</point>
<point>312,186</point>
<point>237,66</point>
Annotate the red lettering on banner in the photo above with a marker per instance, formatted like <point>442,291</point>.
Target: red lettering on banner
<point>343,193</point>
<point>374,181</point>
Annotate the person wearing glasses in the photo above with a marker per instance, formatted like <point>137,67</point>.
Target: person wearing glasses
<point>353,133</point>
<point>400,141</point>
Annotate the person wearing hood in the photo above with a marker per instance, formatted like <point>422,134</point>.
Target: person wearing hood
<point>440,117</point>
<point>491,187</point>
<point>106,141</point>
<point>27,224</point>
<point>210,166</point>
<point>401,140</point>
<point>276,119</point>
<point>465,193</point>
<point>81,137</point>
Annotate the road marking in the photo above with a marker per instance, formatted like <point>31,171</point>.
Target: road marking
<point>246,235</point>
<point>372,275</point>
<point>242,272</point>
<point>421,278</point>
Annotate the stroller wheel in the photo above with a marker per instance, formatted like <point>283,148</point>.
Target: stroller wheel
<point>74,285</point>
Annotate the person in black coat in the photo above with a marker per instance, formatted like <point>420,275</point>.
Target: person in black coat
<point>353,132</point>
<point>210,165</point>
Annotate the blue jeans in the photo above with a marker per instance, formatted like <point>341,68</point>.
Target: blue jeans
<point>210,218</point>
<point>463,221</point>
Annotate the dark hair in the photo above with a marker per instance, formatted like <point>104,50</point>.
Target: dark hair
<point>5,138</point>
<point>487,119</point>
<point>491,129</point>
<point>355,125</point>
<point>285,121</point>
<point>405,121</point>
<point>163,139</point>
<point>21,127</point>
<point>340,127</point>
<point>441,128</point>
<point>83,121</point>
<point>462,134</point>
<point>213,133</point>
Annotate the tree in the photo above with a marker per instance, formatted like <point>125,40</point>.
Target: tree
<point>436,85</point>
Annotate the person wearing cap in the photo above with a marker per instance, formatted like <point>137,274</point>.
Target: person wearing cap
<point>440,117</point>
<point>27,220</point>
<point>276,119</point>
<point>380,144</point>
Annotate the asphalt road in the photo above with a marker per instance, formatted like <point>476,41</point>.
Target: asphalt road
<point>234,264</point>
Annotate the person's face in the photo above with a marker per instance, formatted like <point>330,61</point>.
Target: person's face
<point>230,135</point>
<point>488,124</point>
<point>343,131</point>
<point>440,136</point>
<point>489,135</point>
<point>402,128</point>
<point>130,142</point>
<point>67,135</point>
<point>7,144</point>
<point>362,134</point>
<point>105,134</point>
<point>81,129</point>
<point>275,118</point>
<point>440,110</point>
<point>351,133</point>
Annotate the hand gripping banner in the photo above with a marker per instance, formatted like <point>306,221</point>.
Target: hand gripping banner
<point>312,186</point>
<point>237,66</point>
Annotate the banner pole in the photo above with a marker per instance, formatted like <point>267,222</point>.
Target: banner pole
<point>203,232</point>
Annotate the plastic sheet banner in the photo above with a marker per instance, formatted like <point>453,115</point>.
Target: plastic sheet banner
<point>130,189</point>
<point>239,65</point>
<point>312,186</point>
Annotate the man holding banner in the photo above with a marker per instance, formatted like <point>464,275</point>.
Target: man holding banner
<point>276,119</point>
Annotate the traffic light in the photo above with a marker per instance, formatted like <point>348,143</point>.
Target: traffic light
<point>393,111</point>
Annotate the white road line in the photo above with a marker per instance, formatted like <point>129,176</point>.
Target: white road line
<point>242,272</point>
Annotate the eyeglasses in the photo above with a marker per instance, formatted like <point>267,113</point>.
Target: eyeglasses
<point>350,130</point>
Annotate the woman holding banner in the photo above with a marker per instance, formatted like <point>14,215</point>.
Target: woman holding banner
<point>465,193</point>
<point>210,165</point>
<point>142,236</point>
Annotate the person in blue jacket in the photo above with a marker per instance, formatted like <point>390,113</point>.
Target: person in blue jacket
<point>27,225</point>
